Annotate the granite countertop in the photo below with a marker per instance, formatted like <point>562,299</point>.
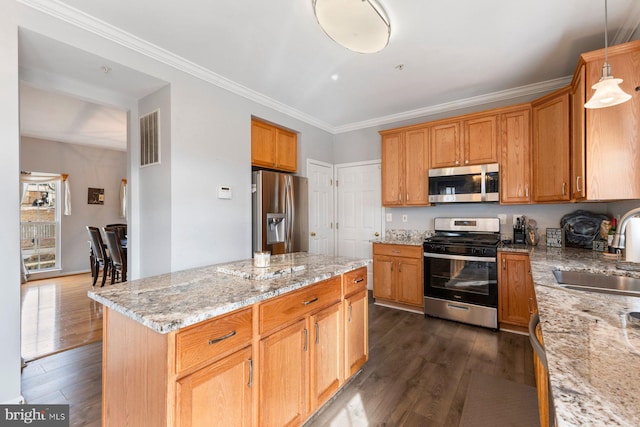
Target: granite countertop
<point>172,301</point>
<point>592,352</point>
<point>409,241</point>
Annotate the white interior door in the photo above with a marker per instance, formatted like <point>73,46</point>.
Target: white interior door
<point>321,222</point>
<point>359,209</point>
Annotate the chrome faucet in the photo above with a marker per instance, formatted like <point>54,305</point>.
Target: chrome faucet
<point>618,238</point>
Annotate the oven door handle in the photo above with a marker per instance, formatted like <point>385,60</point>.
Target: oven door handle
<point>460,257</point>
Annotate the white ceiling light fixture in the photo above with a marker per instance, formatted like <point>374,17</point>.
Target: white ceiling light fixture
<point>359,25</point>
<point>608,93</point>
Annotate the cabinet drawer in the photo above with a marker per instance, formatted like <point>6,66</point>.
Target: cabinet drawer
<point>355,280</point>
<point>209,339</point>
<point>297,304</point>
<point>407,251</point>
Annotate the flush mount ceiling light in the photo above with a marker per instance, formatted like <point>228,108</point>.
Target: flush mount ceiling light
<point>358,25</point>
<point>608,93</point>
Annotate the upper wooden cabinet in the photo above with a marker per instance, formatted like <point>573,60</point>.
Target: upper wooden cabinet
<point>577,99</point>
<point>515,159</point>
<point>405,162</point>
<point>612,134</point>
<point>551,147</point>
<point>273,147</point>
<point>472,140</point>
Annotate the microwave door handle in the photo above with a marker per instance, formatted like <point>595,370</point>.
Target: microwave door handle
<point>483,184</point>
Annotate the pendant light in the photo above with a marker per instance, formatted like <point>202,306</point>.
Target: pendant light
<point>359,25</point>
<point>608,93</point>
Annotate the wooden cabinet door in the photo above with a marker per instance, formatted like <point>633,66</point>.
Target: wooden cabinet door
<point>480,140</point>
<point>515,162</point>
<point>416,161</point>
<point>286,150</point>
<point>551,148</point>
<point>384,277</point>
<point>220,391</point>
<point>613,133</point>
<point>392,169</point>
<point>409,284</point>
<point>515,289</point>
<point>577,97</point>
<point>445,145</point>
<point>284,368</point>
<point>326,354</point>
<point>263,144</point>
<point>356,324</point>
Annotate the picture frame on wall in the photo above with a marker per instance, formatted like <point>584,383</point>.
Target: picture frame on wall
<point>95,196</point>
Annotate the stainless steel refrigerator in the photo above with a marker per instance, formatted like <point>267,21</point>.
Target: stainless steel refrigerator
<point>280,212</point>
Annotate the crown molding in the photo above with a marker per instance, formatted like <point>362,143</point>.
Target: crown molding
<point>521,91</point>
<point>105,30</point>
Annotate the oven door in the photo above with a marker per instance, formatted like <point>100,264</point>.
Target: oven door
<point>461,278</point>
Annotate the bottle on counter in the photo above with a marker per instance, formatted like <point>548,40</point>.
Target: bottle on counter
<point>612,232</point>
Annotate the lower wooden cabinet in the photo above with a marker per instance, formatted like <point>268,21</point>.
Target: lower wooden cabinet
<point>325,351</point>
<point>271,364</point>
<point>356,323</point>
<point>220,391</point>
<point>398,276</point>
<point>283,376</point>
<point>516,295</point>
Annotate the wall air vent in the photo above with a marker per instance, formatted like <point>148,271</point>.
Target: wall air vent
<point>150,139</point>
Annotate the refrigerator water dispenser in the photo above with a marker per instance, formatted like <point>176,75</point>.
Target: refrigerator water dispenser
<point>275,228</point>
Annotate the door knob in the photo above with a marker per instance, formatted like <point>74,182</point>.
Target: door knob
<point>376,234</point>
<point>313,234</point>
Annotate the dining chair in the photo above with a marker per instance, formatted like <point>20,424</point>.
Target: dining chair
<point>118,255</point>
<point>121,230</point>
<point>100,257</point>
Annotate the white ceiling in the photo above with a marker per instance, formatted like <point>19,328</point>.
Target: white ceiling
<point>455,53</point>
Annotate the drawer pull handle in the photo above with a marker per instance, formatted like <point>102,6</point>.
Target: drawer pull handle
<point>395,251</point>
<point>311,301</point>
<point>217,340</point>
<point>317,333</point>
<point>358,280</point>
<point>350,313</point>
<point>250,373</point>
<point>306,339</point>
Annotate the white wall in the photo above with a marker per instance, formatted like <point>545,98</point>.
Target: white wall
<point>154,201</point>
<point>9,212</point>
<point>87,167</point>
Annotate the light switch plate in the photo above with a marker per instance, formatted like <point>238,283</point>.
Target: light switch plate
<point>389,217</point>
<point>405,218</point>
<point>502,218</point>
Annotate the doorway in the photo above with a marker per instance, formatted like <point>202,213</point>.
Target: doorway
<point>321,198</point>
<point>359,209</point>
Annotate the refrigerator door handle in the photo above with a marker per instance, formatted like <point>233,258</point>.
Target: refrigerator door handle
<point>289,213</point>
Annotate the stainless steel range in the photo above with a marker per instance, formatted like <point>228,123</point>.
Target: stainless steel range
<point>460,274</point>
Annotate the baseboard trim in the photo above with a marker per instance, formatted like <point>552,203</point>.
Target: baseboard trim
<point>17,401</point>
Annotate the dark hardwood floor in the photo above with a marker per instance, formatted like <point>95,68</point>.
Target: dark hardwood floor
<point>417,374</point>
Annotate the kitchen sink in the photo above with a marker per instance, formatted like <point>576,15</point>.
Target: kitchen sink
<point>595,282</point>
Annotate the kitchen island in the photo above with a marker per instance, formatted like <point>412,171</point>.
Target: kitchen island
<point>593,352</point>
<point>233,343</point>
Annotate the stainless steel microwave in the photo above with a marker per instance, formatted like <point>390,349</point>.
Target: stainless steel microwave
<point>478,183</point>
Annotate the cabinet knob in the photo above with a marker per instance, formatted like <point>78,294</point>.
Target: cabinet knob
<point>457,162</point>
<point>466,162</point>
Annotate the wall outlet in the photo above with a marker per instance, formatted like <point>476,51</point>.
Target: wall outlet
<point>405,218</point>
<point>502,218</point>
<point>389,217</point>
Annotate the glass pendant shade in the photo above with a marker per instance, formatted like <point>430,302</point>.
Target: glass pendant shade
<point>608,93</point>
<point>359,25</point>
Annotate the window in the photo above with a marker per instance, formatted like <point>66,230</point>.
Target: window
<point>40,223</point>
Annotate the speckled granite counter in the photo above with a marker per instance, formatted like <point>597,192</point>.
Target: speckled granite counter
<point>593,354</point>
<point>172,301</point>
